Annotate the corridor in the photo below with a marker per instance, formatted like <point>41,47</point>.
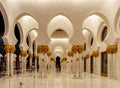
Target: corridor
<point>58,80</point>
<point>59,43</point>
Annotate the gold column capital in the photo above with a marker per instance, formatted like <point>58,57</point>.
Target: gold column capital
<point>39,48</point>
<point>70,53</point>
<point>74,48</point>
<point>87,56</point>
<point>23,53</point>
<point>95,53</point>
<point>42,49</point>
<point>48,53</point>
<point>77,48</point>
<point>112,49</point>
<point>51,59</point>
<point>64,59</point>
<point>12,49</point>
<point>9,48</point>
<point>80,49</point>
<point>45,49</point>
<point>77,59</point>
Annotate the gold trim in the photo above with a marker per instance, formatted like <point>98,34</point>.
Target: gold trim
<point>64,59</point>
<point>95,53</point>
<point>48,53</point>
<point>23,53</point>
<point>70,53</point>
<point>39,48</point>
<point>77,48</point>
<point>112,49</point>
<point>74,48</point>
<point>45,49</point>
<point>51,59</point>
<point>87,56</point>
<point>77,59</point>
<point>9,49</point>
<point>80,49</point>
<point>42,48</point>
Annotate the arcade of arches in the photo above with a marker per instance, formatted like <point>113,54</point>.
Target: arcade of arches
<point>84,34</point>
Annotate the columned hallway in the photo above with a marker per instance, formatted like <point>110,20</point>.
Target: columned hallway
<point>59,43</point>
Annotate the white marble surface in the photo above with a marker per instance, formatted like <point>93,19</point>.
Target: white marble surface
<point>59,80</point>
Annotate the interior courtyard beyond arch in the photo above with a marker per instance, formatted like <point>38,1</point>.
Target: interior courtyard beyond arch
<point>60,43</point>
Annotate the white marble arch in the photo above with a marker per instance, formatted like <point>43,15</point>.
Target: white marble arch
<point>5,18</point>
<point>95,23</point>
<point>31,24</point>
<point>117,23</point>
<point>61,22</point>
<point>32,37</point>
<point>88,35</point>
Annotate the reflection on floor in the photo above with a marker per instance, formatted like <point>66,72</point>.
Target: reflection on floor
<point>58,80</point>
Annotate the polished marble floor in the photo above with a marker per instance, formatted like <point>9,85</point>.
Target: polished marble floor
<point>58,80</point>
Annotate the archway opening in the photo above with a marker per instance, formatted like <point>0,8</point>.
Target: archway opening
<point>58,64</point>
<point>104,33</point>
<point>91,41</point>
<point>28,58</point>
<point>33,59</point>
<point>2,29</point>
<point>2,52</point>
<point>17,52</point>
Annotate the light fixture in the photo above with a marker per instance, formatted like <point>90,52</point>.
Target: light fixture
<point>59,39</point>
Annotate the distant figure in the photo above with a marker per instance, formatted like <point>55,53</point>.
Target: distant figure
<point>58,66</point>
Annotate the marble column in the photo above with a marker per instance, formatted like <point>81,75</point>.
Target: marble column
<point>112,69</point>
<point>74,65</point>
<point>20,62</point>
<point>52,64</point>
<point>87,57</point>
<point>48,64</point>
<point>68,65</point>
<point>118,61</point>
<point>82,65</point>
<point>13,60</point>
<point>7,50</point>
<point>94,64</point>
<point>30,58</point>
<point>95,55</point>
<point>40,56</point>
<point>114,66</point>
<point>79,65</point>
<point>45,64</point>
<point>109,65</point>
<point>23,59</point>
<point>69,70</point>
<point>35,57</point>
<point>10,49</point>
